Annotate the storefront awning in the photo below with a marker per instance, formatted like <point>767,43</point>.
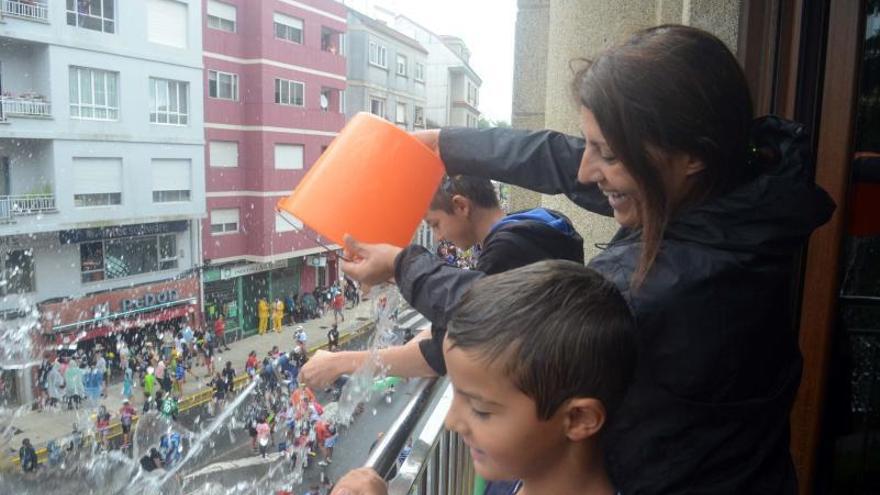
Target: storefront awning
<point>121,322</point>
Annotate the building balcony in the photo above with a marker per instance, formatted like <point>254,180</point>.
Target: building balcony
<point>32,106</point>
<point>28,204</point>
<point>29,10</point>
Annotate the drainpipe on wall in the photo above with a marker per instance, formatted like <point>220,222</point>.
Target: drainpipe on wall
<point>196,242</point>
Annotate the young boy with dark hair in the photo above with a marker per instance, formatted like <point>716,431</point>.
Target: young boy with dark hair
<point>540,358</point>
<point>465,211</point>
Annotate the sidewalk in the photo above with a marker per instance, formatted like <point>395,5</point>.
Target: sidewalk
<point>42,426</point>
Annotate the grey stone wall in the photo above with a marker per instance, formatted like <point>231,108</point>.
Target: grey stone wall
<point>550,34</point>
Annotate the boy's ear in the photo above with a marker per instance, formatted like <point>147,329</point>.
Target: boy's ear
<point>461,204</point>
<point>584,417</point>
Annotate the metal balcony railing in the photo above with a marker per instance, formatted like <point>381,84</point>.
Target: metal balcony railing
<point>32,10</point>
<point>439,462</point>
<point>30,204</point>
<point>21,107</point>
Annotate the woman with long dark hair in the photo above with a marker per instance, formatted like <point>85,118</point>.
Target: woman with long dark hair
<point>714,208</point>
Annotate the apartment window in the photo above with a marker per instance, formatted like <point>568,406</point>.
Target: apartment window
<point>167,22</point>
<point>223,153</point>
<point>172,180</point>
<point>221,16</point>
<point>472,121</point>
<point>326,96</point>
<point>289,156</point>
<point>401,65</point>
<point>169,102</point>
<point>97,15</point>
<point>224,221</point>
<point>167,252</point>
<point>400,116</point>
<point>419,72</point>
<point>289,92</point>
<point>472,94</point>
<point>377,107</point>
<point>378,55</point>
<point>94,94</point>
<point>330,40</point>
<point>97,182</point>
<point>418,116</point>
<point>222,85</point>
<point>288,28</point>
<point>18,272</point>
<point>125,257</point>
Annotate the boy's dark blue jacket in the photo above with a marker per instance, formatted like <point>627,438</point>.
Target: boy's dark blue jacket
<point>518,239</point>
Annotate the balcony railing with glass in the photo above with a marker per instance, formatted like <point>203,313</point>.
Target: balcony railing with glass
<point>29,204</point>
<point>31,10</point>
<point>439,462</point>
<point>24,107</point>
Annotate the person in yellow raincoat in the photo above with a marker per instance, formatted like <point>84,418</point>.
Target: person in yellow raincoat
<point>263,314</point>
<point>277,315</point>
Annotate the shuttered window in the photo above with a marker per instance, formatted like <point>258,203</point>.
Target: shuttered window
<point>167,22</point>
<point>224,221</point>
<point>221,16</point>
<point>289,156</point>
<point>172,180</point>
<point>288,28</point>
<point>97,181</point>
<point>223,153</point>
<point>286,223</point>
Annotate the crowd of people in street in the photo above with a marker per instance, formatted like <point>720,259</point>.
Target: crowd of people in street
<point>456,256</point>
<point>282,415</point>
<point>297,308</point>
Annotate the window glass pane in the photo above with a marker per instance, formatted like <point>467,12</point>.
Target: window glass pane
<point>225,86</point>
<point>92,261</point>
<point>126,257</point>
<point>154,102</point>
<point>162,98</point>
<point>19,271</point>
<point>100,91</point>
<point>74,86</point>
<point>183,89</point>
<point>167,247</point>
<point>285,92</point>
<point>85,86</point>
<point>111,90</point>
<point>172,97</point>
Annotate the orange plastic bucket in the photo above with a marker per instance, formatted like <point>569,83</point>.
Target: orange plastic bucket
<point>374,181</point>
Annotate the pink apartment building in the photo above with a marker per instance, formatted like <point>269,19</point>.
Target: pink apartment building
<point>274,90</point>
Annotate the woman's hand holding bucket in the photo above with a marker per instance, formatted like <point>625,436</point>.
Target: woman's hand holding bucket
<point>371,264</point>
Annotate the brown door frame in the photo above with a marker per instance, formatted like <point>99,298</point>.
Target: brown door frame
<point>770,50</point>
<point>821,283</point>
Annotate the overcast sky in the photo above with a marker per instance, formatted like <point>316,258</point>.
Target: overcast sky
<point>487,27</point>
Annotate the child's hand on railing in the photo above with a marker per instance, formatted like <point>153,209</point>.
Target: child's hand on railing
<point>362,481</point>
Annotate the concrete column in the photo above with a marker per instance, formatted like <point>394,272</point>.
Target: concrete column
<point>529,81</point>
<point>719,17</point>
<point>581,29</point>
